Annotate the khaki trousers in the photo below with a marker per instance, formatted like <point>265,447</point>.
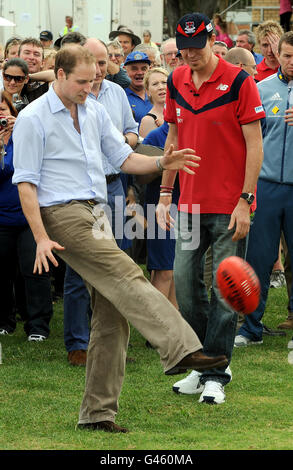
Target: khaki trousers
<point>119,293</point>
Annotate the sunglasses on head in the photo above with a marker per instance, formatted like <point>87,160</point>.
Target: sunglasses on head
<point>16,78</point>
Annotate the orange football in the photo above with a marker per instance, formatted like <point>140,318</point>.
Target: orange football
<point>238,284</point>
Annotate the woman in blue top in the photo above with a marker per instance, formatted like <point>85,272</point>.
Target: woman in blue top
<point>17,245</point>
<point>161,247</point>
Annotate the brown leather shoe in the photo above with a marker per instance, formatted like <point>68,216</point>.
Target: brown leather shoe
<point>107,426</point>
<point>198,361</point>
<point>77,358</point>
<point>287,324</point>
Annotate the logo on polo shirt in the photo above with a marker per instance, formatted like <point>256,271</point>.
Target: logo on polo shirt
<point>222,87</point>
<point>258,109</point>
<point>178,111</point>
<point>275,110</point>
<point>276,97</point>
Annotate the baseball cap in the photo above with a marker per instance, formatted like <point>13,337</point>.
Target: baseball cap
<point>137,56</point>
<point>192,31</point>
<point>46,35</point>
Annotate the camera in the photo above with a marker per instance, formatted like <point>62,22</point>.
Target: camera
<point>19,102</point>
<point>3,122</point>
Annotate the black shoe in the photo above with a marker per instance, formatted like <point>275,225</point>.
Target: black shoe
<point>269,332</point>
<point>107,426</point>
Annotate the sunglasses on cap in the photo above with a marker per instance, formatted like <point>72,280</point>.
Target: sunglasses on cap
<point>16,78</point>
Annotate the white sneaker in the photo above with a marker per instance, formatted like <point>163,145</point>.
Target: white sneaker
<point>213,393</point>
<point>3,332</point>
<point>241,341</point>
<point>190,385</point>
<point>277,279</point>
<point>290,344</point>
<point>34,337</point>
<point>229,371</point>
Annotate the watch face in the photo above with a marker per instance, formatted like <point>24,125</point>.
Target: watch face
<point>249,197</point>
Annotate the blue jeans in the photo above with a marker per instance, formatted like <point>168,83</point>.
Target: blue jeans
<point>77,309</point>
<point>212,319</point>
<point>274,215</point>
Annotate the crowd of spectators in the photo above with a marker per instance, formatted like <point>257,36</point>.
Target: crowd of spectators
<point>131,82</point>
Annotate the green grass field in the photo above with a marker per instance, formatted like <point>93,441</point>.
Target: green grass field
<point>40,394</point>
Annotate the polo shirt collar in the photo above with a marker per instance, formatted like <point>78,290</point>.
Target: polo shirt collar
<point>131,92</point>
<point>262,66</point>
<point>219,70</point>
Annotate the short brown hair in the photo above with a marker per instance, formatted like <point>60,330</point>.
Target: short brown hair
<point>69,57</point>
<point>35,42</point>
<point>287,38</point>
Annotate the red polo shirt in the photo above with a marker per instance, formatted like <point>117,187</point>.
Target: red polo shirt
<point>263,71</point>
<point>209,120</point>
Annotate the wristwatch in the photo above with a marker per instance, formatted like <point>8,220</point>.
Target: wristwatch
<point>249,197</point>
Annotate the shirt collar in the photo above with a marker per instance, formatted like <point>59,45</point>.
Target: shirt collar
<point>129,91</point>
<point>262,66</point>
<point>55,103</point>
<point>219,70</point>
<point>103,88</point>
<point>281,76</point>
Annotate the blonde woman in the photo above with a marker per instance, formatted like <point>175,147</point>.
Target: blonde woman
<point>49,59</point>
<point>155,82</point>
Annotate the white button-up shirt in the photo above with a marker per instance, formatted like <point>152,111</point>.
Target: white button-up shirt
<point>63,164</point>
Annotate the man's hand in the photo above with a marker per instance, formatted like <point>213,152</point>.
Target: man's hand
<point>164,219</point>
<point>44,251</point>
<point>241,217</point>
<point>289,116</point>
<point>274,42</point>
<point>179,159</point>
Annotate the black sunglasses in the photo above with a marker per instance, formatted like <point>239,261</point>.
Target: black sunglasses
<point>16,78</point>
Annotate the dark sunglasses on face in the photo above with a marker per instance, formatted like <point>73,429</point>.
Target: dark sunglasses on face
<point>16,78</point>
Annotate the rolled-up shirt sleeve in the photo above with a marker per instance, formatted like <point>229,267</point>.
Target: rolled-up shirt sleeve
<point>113,144</point>
<point>28,141</point>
